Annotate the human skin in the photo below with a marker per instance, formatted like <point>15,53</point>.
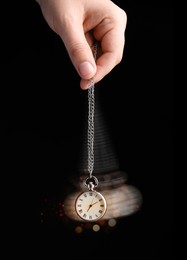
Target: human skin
<point>80,23</point>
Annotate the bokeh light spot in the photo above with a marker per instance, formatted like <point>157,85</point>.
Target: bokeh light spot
<point>78,230</point>
<point>112,222</point>
<point>96,227</point>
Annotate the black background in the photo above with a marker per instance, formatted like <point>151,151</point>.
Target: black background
<point>41,123</point>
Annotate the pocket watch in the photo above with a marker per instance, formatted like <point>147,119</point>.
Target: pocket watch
<point>90,205</point>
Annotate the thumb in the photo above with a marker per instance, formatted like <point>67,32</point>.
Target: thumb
<point>79,51</point>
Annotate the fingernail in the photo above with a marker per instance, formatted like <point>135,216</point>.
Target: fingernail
<point>85,68</point>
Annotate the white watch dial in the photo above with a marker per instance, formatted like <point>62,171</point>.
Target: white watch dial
<point>90,205</point>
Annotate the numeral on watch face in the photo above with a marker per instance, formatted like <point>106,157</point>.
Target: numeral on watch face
<point>90,205</point>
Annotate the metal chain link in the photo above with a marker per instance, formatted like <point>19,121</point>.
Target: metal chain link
<point>91,111</point>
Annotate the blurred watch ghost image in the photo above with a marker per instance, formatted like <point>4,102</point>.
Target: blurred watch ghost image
<point>122,199</point>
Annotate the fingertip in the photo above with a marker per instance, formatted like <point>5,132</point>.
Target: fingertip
<point>86,70</point>
<point>84,84</point>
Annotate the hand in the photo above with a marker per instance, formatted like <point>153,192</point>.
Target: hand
<point>92,205</point>
<point>82,22</point>
<point>89,207</point>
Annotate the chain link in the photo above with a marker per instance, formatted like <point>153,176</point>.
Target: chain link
<point>91,111</point>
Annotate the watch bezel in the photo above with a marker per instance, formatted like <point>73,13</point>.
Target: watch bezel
<point>100,216</point>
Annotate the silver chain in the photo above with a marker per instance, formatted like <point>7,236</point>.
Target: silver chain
<point>91,130</point>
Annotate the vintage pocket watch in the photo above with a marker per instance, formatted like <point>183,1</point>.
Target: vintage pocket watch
<point>91,205</point>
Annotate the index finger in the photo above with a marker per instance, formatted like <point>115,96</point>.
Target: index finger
<point>112,41</point>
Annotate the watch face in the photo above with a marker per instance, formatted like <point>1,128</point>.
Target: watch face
<point>90,205</point>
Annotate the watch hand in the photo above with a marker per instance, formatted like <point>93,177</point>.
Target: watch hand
<point>94,203</point>
<point>89,207</point>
